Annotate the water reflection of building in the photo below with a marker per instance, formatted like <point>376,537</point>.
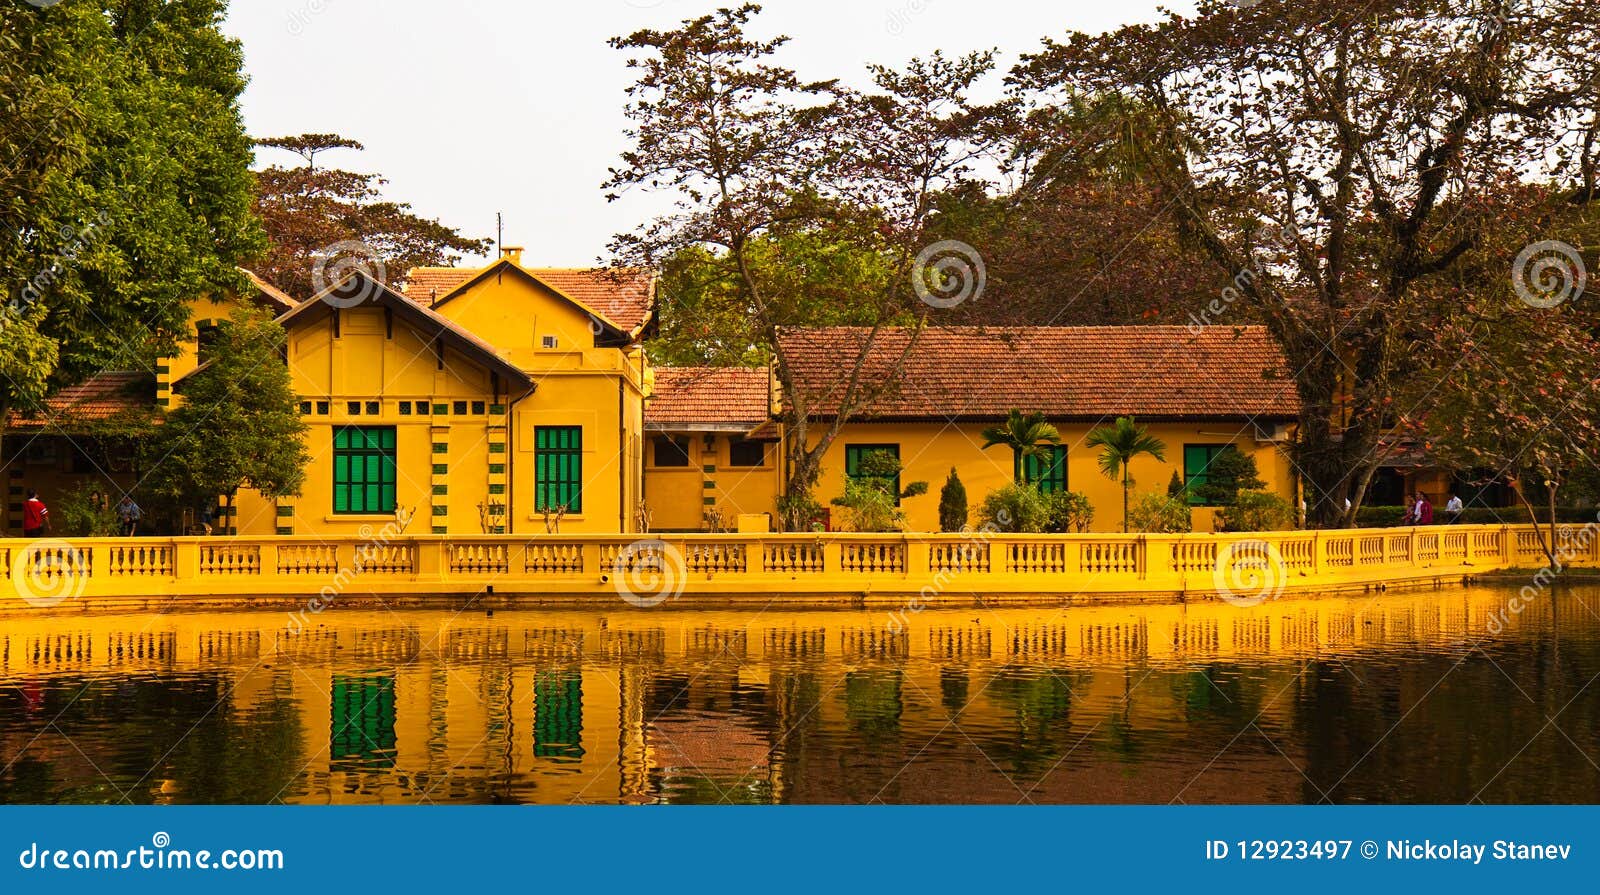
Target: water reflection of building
<point>1206,701</point>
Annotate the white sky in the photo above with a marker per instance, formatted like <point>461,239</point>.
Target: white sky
<point>479,106</point>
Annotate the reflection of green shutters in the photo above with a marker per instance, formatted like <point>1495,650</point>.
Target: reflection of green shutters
<point>363,469</point>
<point>1048,472</point>
<point>558,468</point>
<point>1196,460</point>
<point>558,714</point>
<point>362,735</point>
<point>855,453</point>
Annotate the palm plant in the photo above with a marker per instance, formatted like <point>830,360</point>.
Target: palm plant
<point>1119,443</point>
<point>1027,434</point>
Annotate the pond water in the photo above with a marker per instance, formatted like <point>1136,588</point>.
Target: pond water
<point>1439,696</point>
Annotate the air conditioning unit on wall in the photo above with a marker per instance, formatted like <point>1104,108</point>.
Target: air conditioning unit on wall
<point>1271,433</point>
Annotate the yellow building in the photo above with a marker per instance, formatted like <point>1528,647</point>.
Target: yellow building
<point>493,400</point>
<point>927,396</point>
<point>512,399</point>
<point>713,452</point>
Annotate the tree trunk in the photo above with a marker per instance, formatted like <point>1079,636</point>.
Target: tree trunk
<point>1124,498</point>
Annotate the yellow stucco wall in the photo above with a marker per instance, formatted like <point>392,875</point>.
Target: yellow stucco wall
<point>679,498</point>
<point>929,450</point>
<point>451,467</point>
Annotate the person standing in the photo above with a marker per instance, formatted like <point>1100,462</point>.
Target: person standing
<point>129,514</point>
<point>1424,509</point>
<point>1453,510</point>
<point>35,516</point>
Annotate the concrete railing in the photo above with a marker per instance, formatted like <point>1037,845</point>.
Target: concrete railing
<point>841,566</point>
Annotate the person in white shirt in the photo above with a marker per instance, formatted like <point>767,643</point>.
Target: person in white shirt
<point>1452,510</point>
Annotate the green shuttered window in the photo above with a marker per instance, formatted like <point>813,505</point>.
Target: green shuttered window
<point>363,469</point>
<point>1048,472</point>
<point>1196,461</point>
<point>558,468</point>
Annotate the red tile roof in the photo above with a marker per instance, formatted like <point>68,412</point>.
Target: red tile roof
<point>425,285</point>
<point>1079,372</point>
<point>100,397</point>
<point>719,397</point>
<point>624,297</point>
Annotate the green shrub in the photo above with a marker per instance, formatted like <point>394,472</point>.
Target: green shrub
<point>870,499</point>
<point>953,503</point>
<point>1159,514</point>
<point>1229,472</point>
<point>1067,512</point>
<point>1014,508</point>
<point>869,508</point>
<point>85,512</point>
<point>1256,511</point>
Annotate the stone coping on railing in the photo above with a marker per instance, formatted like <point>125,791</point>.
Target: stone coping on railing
<point>649,569</point>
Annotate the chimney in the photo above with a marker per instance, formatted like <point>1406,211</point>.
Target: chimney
<point>512,252</point>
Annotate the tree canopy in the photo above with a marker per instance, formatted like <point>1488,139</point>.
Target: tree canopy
<point>125,187</point>
<point>336,216</point>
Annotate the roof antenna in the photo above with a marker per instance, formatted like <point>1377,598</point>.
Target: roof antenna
<point>499,234</point>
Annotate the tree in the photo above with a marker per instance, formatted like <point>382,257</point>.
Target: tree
<point>315,217</point>
<point>1520,398</point>
<point>125,171</point>
<point>953,503</point>
<point>239,424</point>
<point>871,495</point>
<point>1344,155</point>
<point>1083,234</point>
<point>752,153</point>
<point>1230,471</point>
<point>1027,435</point>
<point>1119,444</point>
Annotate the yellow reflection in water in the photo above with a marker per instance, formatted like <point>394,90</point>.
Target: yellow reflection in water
<point>630,705</point>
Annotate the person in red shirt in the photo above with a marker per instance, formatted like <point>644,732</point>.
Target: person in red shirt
<point>35,516</point>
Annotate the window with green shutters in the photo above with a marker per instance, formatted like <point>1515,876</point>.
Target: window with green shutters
<point>1196,460</point>
<point>558,468</point>
<point>855,453</point>
<point>363,469</point>
<point>1047,472</point>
